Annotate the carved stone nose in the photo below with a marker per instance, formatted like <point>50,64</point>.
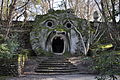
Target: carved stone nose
<point>54,32</point>
<point>63,33</point>
<point>58,32</point>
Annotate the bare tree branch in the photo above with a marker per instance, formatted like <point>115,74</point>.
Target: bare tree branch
<point>9,18</point>
<point>23,5</point>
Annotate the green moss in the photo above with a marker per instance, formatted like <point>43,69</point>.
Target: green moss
<point>105,46</point>
<point>67,54</point>
<point>58,15</point>
<point>59,29</point>
<point>47,16</point>
<point>42,52</point>
<point>44,18</point>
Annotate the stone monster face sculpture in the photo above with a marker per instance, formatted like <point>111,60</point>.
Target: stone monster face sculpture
<point>54,32</point>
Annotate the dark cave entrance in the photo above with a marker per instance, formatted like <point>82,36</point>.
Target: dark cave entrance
<point>58,45</point>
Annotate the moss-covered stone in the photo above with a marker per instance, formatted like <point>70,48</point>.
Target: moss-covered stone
<point>58,25</point>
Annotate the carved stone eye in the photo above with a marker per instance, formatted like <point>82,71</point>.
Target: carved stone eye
<point>49,23</point>
<point>68,25</point>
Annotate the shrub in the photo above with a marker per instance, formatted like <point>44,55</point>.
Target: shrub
<point>5,51</point>
<point>107,65</point>
<point>8,47</point>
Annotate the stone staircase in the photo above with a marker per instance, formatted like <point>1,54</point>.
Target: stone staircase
<point>55,65</point>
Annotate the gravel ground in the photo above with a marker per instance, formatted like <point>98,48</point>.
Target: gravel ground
<point>55,77</point>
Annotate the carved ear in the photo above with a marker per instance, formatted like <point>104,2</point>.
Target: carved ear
<point>51,10</point>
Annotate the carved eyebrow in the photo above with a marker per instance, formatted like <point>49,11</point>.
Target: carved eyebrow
<point>50,17</point>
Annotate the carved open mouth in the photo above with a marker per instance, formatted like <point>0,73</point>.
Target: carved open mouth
<point>58,44</point>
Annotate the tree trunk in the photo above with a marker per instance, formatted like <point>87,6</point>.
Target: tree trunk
<point>9,17</point>
<point>113,11</point>
<point>119,11</point>
<point>1,13</point>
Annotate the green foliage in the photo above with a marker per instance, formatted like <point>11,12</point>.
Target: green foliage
<point>13,43</point>
<point>105,46</point>
<point>98,48</point>
<point>67,54</point>
<point>1,38</point>
<point>107,65</point>
<point>21,59</point>
<point>9,48</point>
<point>4,51</point>
<point>86,58</point>
<point>25,52</point>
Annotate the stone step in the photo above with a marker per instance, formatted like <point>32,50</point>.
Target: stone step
<point>55,65</point>
<point>60,71</point>
<point>59,68</point>
<point>53,57</point>
<point>51,60</point>
<point>55,61</point>
<point>56,73</point>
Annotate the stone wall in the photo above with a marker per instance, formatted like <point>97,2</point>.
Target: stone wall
<point>20,31</point>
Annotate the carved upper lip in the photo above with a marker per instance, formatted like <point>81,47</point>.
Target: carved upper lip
<point>56,36</point>
<point>59,32</point>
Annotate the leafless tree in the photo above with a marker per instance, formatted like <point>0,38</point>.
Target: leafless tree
<point>9,11</point>
<point>109,12</point>
<point>83,8</point>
